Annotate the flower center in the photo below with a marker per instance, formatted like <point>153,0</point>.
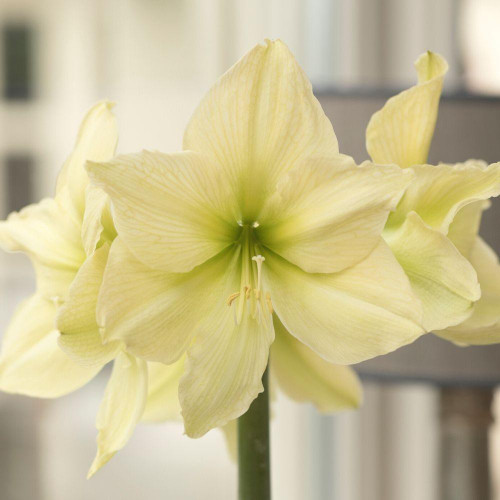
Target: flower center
<point>250,299</point>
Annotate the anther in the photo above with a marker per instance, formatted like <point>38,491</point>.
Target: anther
<point>269,303</point>
<point>232,298</point>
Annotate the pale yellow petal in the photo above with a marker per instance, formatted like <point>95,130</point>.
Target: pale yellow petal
<point>76,318</point>
<point>401,132</point>
<point>156,313</point>
<point>347,317</point>
<point>465,226</point>
<point>439,192</point>
<point>483,326</point>
<point>174,212</point>
<point>97,223</point>
<point>163,392</point>
<point>121,408</point>
<point>31,362</point>
<point>226,361</point>
<point>96,141</point>
<point>306,377</point>
<point>224,369</point>
<point>260,120</point>
<point>327,214</point>
<point>230,432</point>
<point>51,238</point>
<point>440,275</point>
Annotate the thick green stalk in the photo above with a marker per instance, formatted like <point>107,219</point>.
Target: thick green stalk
<point>254,468</point>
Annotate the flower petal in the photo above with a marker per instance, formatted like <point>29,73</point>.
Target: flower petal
<point>401,132</point>
<point>304,376</point>
<point>174,212</point>
<point>121,408</point>
<point>230,431</point>
<point>327,214</point>
<point>96,141</point>
<point>156,313</point>
<point>32,362</point>
<point>76,318</point>
<point>224,369</point>
<point>439,192</point>
<point>440,275</point>
<point>346,317</point>
<point>465,226</point>
<point>51,238</point>
<point>97,221</point>
<point>163,392</point>
<point>259,121</point>
<point>483,326</point>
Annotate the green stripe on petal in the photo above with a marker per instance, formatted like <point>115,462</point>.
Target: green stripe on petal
<point>174,211</point>
<point>327,214</point>
<point>259,121</point>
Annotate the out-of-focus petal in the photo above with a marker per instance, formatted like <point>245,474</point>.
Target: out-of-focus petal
<point>483,326</point>
<point>401,132</point>
<point>163,392</point>
<point>440,275</point>
<point>76,318</point>
<point>96,141</point>
<point>97,223</point>
<point>31,362</point>
<point>121,408</point>
<point>439,192</point>
<point>51,238</point>
<point>304,376</point>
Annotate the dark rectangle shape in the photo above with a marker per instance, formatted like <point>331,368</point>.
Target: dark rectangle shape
<point>19,168</point>
<point>17,41</point>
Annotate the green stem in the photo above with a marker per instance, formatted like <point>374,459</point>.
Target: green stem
<point>254,468</point>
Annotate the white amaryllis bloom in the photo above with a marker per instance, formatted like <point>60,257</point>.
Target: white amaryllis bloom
<point>67,238</point>
<point>258,220</point>
<point>433,231</point>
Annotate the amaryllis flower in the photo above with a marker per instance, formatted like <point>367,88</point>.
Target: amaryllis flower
<point>258,221</point>
<point>433,231</point>
<point>67,238</point>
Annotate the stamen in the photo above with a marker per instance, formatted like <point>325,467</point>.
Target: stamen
<point>255,224</point>
<point>269,303</point>
<point>259,259</point>
<point>232,298</point>
<point>248,291</point>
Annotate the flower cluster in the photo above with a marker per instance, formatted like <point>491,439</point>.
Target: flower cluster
<point>258,244</point>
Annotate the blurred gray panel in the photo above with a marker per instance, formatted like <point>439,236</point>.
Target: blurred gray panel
<point>468,127</point>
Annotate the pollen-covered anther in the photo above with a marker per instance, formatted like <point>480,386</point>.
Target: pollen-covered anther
<point>269,303</point>
<point>232,298</point>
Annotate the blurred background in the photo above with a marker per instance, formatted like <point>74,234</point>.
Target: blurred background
<point>156,58</point>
